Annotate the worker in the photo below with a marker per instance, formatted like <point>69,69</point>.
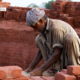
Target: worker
<point>58,44</point>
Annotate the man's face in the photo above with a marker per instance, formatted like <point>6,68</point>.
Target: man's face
<point>39,26</point>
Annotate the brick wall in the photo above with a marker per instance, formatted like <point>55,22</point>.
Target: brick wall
<point>17,44</point>
<point>63,10</point>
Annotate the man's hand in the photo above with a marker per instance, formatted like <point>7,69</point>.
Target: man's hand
<point>37,72</point>
<point>28,69</point>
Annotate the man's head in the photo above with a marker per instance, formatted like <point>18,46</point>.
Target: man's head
<point>36,19</point>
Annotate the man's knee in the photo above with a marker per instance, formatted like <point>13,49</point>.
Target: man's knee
<point>69,37</point>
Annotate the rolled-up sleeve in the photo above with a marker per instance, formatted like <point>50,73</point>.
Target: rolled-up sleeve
<point>57,38</point>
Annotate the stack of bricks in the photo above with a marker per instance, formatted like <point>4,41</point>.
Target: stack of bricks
<point>77,21</point>
<point>73,9</point>
<point>19,14</point>
<point>66,18</point>
<point>57,8</point>
<point>60,6</point>
<point>12,73</point>
<point>53,11</point>
<point>71,73</point>
<point>57,11</point>
<point>14,13</point>
<point>3,4</point>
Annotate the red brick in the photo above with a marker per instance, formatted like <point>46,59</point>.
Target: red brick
<point>73,70</point>
<point>2,74</point>
<point>64,76</point>
<point>10,72</point>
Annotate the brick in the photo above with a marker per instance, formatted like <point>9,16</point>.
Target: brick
<point>64,76</point>
<point>2,74</point>
<point>73,70</point>
<point>10,72</point>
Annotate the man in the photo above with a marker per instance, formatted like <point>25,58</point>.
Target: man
<point>58,44</point>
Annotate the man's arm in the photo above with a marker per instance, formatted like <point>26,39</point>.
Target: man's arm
<point>36,60</point>
<point>55,56</point>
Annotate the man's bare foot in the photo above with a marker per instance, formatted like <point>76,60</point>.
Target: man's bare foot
<point>28,70</point>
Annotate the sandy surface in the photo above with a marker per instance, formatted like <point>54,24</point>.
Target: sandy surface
<point>25,73</point>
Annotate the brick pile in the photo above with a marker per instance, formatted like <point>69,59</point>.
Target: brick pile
<point>58,11</point>
<point>57,8</point>
<point>73,9</point>
<point>66,18</point>
<point>11,73</point>
<point>77,22</point>
<point>14,73</point>
<point>53,11</point>
<point>4,4</point>
<point>71,73</point>
<point>63,10</point>
<point>19,14</point>
<point>15,13</point>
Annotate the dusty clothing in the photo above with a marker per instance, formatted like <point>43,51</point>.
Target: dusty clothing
<point>59,34</point>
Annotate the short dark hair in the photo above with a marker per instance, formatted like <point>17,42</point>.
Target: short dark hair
<point>44,17</point>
